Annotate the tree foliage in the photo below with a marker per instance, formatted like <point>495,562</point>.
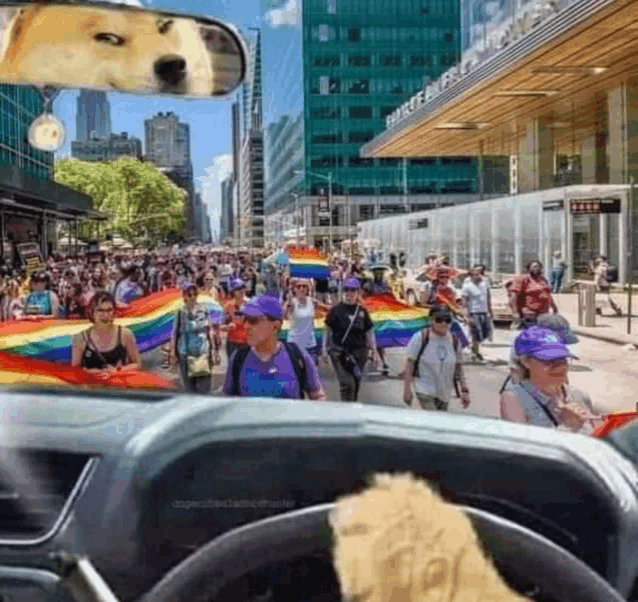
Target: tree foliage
<point>131,193</point>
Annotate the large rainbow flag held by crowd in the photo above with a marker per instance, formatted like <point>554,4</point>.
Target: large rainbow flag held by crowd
<point>307,263</point>
<point>150,319</point>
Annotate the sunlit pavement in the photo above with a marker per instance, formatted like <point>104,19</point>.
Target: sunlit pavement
<point>606,371</point>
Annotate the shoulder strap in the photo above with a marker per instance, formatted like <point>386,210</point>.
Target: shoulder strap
<point>299,366</point>
<point>352,319</point>
<point>237,364</point>
<point>425,339</point>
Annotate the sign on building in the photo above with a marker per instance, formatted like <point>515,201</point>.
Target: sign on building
<point>594,206</point>
<point>31,256</point>
<point>418,224</point>
<point>557,205</point>
<point>324,204</point>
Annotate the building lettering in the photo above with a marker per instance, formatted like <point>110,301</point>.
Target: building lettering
<point>494,44</point>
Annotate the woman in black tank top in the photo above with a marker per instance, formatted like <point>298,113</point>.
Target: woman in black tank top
<point>91,349</point>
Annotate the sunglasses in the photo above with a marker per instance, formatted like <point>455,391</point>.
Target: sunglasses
<point>253,321</point>
<point>443,320</point>
<point>350,290</point>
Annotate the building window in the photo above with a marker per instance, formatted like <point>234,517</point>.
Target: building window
<point>449,37</point>
<point>360,112</point>
<point>323,33</point>
<point>360,86</point>
<point>389,162</point>
<point>423,189</point>
<point>326,61</point>
<point>354,34</point>
<point>427,161</point>
<point>362,191</point>
<point>366,212</point>
<point>391,60</point>
<point>332,7</point>
<point>325,113</point>
<point>390,190</point>
<point>457,160</point>
<point>417,61</point>
<point>397,90</point>
<point>360,162</point>
<point>359,60</point>
<point>324,85</point>
<point>360,136</point>
<point>326,139</point>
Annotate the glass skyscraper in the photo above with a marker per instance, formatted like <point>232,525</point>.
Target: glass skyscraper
<point>361,60</point>
<point>19,106</point>
<point>93,119</point>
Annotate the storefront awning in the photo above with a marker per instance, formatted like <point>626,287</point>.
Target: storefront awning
<point>559,69</point>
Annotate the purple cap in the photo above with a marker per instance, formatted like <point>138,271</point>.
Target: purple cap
<point>188,285</point>
<point>236,284</point>
<point>352,283</point>
<point>263,306</point>
<point>541,343</point>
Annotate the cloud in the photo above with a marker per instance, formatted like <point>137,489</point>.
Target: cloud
<point>289,15</point>
<point>211,187</point>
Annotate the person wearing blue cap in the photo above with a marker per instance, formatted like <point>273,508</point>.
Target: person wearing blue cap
<point>348,339</point>
<point>543,397</point>
<point>268,367</point>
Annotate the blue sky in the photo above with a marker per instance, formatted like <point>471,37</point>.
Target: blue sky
<point>209,119</point>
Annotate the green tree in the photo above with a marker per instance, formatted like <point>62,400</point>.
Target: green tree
<point>137,197</point>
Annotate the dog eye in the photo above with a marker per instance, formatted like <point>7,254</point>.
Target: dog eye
<point>164,26</point>
<point>110,38</point>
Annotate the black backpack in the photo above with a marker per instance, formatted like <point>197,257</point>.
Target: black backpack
<point>296,357</point>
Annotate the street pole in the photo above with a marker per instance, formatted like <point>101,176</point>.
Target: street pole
<point>297,217</point>
<point>630,249</point>
<point>330,210</point>
<point>405,185</point>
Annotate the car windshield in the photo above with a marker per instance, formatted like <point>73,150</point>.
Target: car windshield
<point>263,245</point>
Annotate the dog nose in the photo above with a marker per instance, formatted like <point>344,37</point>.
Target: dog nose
<point>171,69</point>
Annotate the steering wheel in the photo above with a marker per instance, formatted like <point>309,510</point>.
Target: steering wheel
<point>278,539</point>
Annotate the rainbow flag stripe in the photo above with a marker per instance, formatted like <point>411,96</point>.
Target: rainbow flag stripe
<point>394,322</point>
<point>26,371</point>
<point>307,263</point>
<point>150,319</point>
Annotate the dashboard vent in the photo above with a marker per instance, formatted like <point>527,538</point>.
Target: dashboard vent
<point>37,489</point>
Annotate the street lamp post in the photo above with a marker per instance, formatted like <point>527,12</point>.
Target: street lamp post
<point>329,178</point>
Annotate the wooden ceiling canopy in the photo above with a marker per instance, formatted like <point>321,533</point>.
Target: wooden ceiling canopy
<point>608,40</point>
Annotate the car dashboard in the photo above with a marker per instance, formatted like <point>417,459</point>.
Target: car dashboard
<point>138,482</point>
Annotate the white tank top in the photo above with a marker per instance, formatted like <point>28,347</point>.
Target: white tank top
<point>302,324</point>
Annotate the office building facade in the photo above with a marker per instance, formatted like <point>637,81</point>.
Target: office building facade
<point>93,117</point>
<point>107,149</point>
<point>226,218</point>
<point>167,145</point>
<point>249,230</point>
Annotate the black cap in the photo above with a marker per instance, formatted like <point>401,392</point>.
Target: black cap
<point>440,311</point>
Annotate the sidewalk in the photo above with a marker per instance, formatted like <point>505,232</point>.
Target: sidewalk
<point>609,327</point>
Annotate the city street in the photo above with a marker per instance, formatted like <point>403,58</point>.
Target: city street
<point>606,371</point>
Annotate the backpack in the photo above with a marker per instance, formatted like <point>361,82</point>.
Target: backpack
<point>296,358</point>
<point>425,339</point>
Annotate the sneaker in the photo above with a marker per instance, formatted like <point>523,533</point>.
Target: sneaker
<point>386,370</point>
<point>479,357</point>
<point>400,541</point>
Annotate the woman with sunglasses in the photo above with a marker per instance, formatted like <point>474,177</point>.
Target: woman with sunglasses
<point>348,339</point>
<point>192,342</point>
<point>105,347</point>
<point>300,310</point>
<point>41,301</point>
<point>435,365</point>
<point>543,397</point>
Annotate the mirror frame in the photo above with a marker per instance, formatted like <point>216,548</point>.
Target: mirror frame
<point>203,19</point>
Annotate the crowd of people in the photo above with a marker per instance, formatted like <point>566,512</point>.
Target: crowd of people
<point>258,296</point>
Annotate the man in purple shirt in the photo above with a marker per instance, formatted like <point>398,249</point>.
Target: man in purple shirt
<point>270,368</point>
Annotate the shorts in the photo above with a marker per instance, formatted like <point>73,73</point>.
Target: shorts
<point>430,402</point>
<point>479,327</point>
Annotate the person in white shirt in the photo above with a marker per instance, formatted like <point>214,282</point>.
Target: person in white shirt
<point>434,364</point>
<point>478,302</point>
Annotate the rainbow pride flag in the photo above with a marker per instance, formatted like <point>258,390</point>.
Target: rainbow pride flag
<point>25,371</point>
<point>150,319</point>
<point>307,263</point>
<point>394,322</point>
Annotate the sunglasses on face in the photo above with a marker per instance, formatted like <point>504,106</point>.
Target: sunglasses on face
<point>555,362</point>
<point>443,320</point>
<point>351,290</point>
<point>253,321</point>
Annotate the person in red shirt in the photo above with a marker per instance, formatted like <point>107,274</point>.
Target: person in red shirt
<point>531,294</point>
<point>233,320</point>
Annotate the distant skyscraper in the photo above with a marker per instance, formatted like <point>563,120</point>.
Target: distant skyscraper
<point>93,119</point>
<point>168,147</point>
<point>250,216</point>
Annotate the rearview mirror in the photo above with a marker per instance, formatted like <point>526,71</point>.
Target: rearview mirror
<point>119,48</point>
